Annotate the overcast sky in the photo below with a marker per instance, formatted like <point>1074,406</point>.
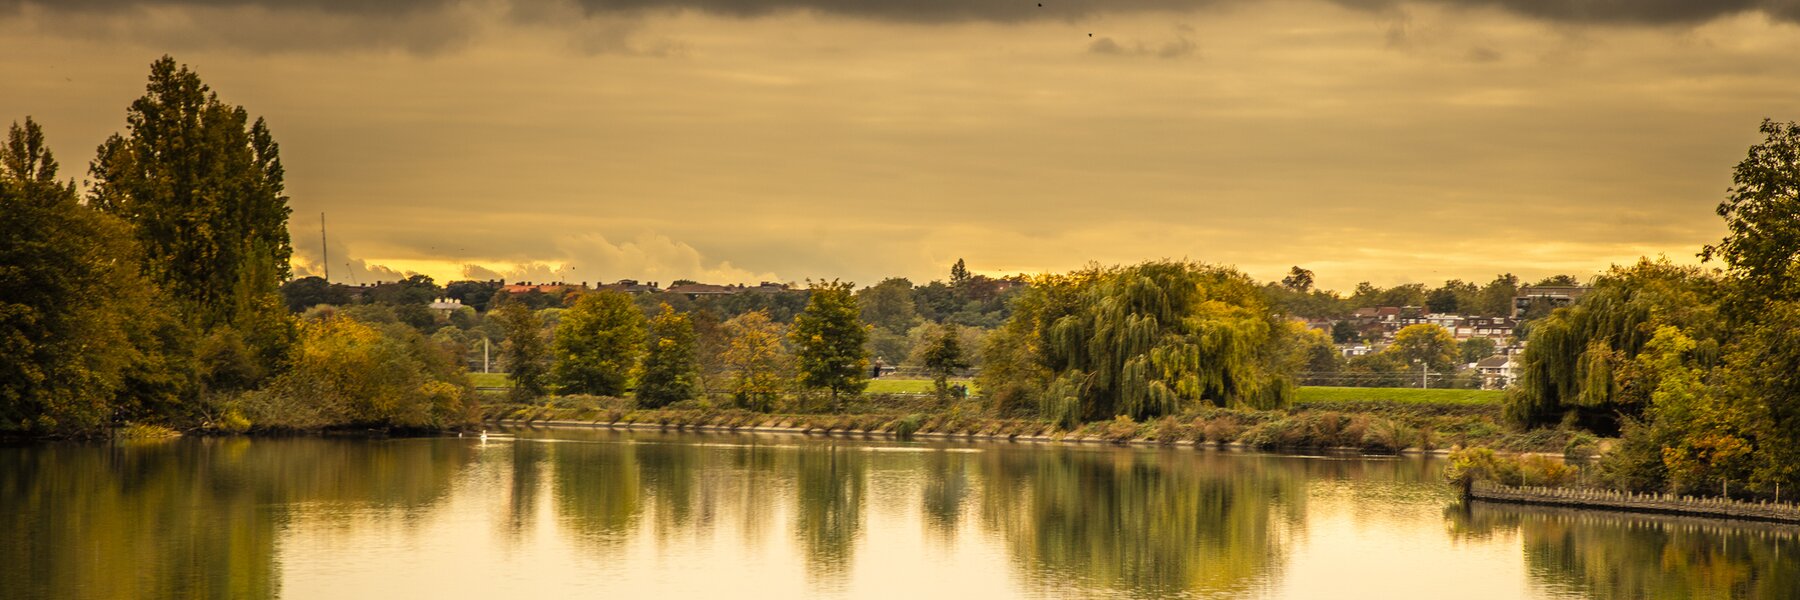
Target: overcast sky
<point>744,140</point>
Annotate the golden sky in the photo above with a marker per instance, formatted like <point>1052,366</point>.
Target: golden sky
<point>743,140</point>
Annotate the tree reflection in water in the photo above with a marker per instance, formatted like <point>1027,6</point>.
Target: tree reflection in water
<point>1143,523</point>
<point>1599,554</point>
<point>192,518</point>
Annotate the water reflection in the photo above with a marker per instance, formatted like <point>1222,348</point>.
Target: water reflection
<point>559,513</point>
<point>191,519</point>
<point>1593,554</point>
<point>1148,523</point>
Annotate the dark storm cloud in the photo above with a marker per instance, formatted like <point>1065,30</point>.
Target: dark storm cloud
<point>1648,12</point>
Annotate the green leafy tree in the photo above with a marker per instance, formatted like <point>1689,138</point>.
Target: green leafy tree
<point>1426,344</point>
<point>1496,298</point>
<point>1576,365</point>
<point>943,357</point>
<point>828,340</point>
<point>524,352</point>
<point>306,292</point>
<point>346,372</point>
<point>84,342</point>
<point>598,344</point>
<point>959,274</point>
<point>1474,349</point>
<point>1456,296</point>
<point>1558,281</point>
<point>1762,249</point>
<point>1298,280</point>
<point>1151,339</point>
<point>473,294</point>
<point>889,305</point>
<point>202,187</point>
<point>756,360</point>
<point>669,369</point>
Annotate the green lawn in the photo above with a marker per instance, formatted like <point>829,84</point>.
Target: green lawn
<point>1319,394</point>
<point>909,386</point>
<point>490,380</point>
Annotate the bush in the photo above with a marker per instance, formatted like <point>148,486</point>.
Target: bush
<point>346,373</point>
<point>1169,431</point>
<point>1388,435</point>
<point>1223,430</point>
<point>1122,429</point>
<point>908,426</point>
<point>1581,446</point>
<point>1482,464</point>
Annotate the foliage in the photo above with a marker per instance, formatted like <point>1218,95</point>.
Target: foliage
<point>889,305</point>
<point>1762,248</point>
<point>1475,349</point>
<point>84,339</point>
<point>1150,340</point>
<point>306,292</point>
<point>598,344</point>
<point>1426,344</point>
<point>1298,279</point>
<point>1482,464</point>
<point>1577,362</point>
<point>756,359</point>
<point>1310,353</point>
<point>669,369</point>
<point>349,373</point>
<point>943,357</point>
<point>473,294</point>
<point>202,188</point>
<point>828,338</point>
<point>523,353</point>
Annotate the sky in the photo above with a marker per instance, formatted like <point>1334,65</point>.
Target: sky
<point>734,141</point>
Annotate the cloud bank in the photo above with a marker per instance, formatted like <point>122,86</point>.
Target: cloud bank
<point>608,26</point>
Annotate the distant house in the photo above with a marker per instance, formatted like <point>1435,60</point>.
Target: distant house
<point>1496,371</point>
<point>526,287</point>
<point>1494,328</point>
<point>696,290</point>
<point>629,286</point>
<point>446,305</point>
<point>1556,296</point>
<point>1355,350</point>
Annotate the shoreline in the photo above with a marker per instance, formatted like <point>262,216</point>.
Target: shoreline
<point>958,437</point>
<point>1625,502</point>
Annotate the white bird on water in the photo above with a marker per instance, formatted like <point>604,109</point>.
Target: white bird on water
<point>484,435</point>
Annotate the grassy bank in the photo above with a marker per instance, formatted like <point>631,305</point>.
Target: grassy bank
<point>1379,426</point>
<point>490,380</point>
<point>1319,395</point>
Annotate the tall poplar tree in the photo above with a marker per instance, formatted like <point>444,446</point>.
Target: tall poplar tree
<point>202,187</point>
<point>524,352</point>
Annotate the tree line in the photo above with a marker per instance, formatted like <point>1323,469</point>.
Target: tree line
<point>153,297</point>
<point>1696,368</point>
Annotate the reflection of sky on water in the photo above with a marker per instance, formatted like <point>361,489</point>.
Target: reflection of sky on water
<point>567,512</point>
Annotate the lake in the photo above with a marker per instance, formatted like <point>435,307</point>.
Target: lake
<point>563,512</point>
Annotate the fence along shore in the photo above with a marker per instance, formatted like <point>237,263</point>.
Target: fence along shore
<point>1777,512</point>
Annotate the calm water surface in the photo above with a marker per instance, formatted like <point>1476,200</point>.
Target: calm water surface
<point>555,513</point>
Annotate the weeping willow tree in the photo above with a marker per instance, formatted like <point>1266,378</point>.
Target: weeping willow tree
<point>1147,340</point>
<point>1579,363</point>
